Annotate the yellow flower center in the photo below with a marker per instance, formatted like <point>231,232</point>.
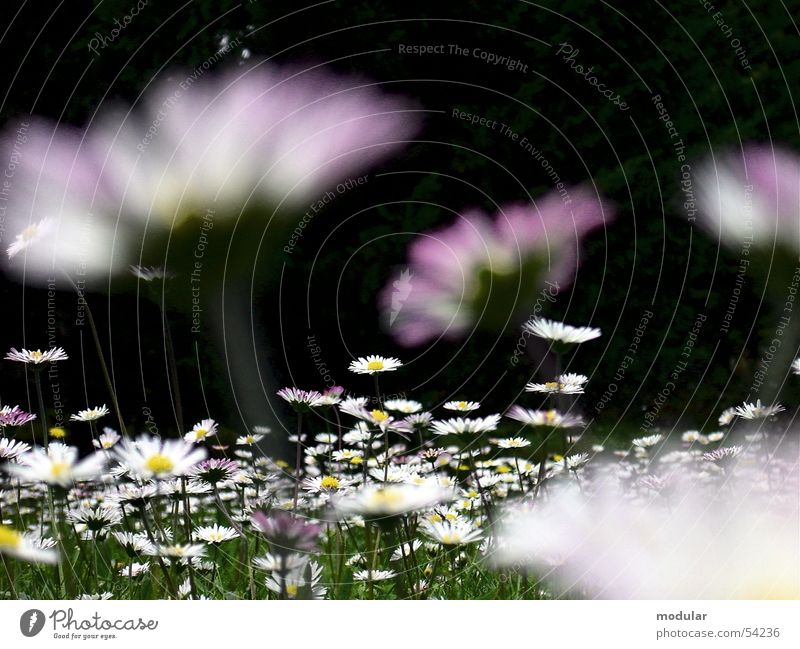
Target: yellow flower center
<point>250,439</point>
<point>9,538</point>
<point>435,518</point>
<point>558,458</point>
<point>379,415</point>
<point>450,516</point>
<point>550,416</point>
<point>283,464</point>
<point>356,460</point>
<point>37,355</point>
<point>387,497</point>
<point>30,232</point>
<point>58,433</point>
<point>200,433</point>
<point>503,469</point>
<point>472,493</point>
<point>59,469</point>
<point>159,463</point>
<point>329,482</point>
<point>450,538</point>
<point>462,405</point>
<point>375,365</point>
<point>291,590</point>
<point>551,385</point>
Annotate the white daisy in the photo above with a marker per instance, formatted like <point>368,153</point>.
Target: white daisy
<point>215,534</point>
<point>249,440</point>
<point>301,400</point>
<point>373,575</point>
<point>796,366</point>
<point>550,418</point>
<point>391,500</point>
<point>452,532</point>
<point>513,442</point>
<point>374,364</point>
<point>202,430</point>
<point>647,442</point>
<point>465,425</point>
<point>10,449</point>
<point>57,465</point>
<point>17,545</point>
<point>559,332</point>
<point>554,387</point>
<point>757,410</point>
<point>90,414</point>
<point>29,235</point>
<point>150,457</point>
<point>462,406</point>
<point>37,357</point>
<point>727,416</point>
<point>406,406</point>
<point>108,439</point>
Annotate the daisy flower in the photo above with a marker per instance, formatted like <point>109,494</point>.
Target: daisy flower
<point>17,545</point>
<point>481,270</point>
<point>326,484</point>
<point>462,406</point>
<point>647,442</point>
<point>11,449</point>
<point>548,418</point>
<point>390,500</point>
<point>558,332</point>
<point>95,518</point>
<point>452,532</point>
<point>202,430</point>
<point>461,425</point>
<point>373,575</point>
<point>90,414</point>
<point>757,410</point>
<point>107,440</point>
<point>331,396</point>
<point>554,387</point>
<point>249,440</point>
<point>727,416</point>
<point>178,551</point>
<point>215,470</point>
<point>14,416</point>
<point>57,432</point>
<point>751,194</point>
<point>286,532</point>
<point>796,366</point>
<point>215,534</point>
<point>134,544</point>
<point>513,442</point>
<point>257,133</point>
<point>301,400</point>
<point>152,458</point>
<point>374,365</point>
<point>406,406</point>
<point>37,357</point>
<point>57,465</point>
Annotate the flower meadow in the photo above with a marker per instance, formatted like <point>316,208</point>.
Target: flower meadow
<point>388,498</point>
<point>359,493</point>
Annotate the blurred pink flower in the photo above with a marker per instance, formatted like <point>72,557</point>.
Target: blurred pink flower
<point>689,546</point>
<point>482,271</point>
<point>752,197</point>
<point>82,201</point>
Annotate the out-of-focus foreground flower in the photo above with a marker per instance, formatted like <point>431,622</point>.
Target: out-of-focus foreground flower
<point>686,546</point>
<point>482,272</point>
<point>88,202</point>
<point>752,196</point>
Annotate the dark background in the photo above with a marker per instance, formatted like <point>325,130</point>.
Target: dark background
<point>650,258</point>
